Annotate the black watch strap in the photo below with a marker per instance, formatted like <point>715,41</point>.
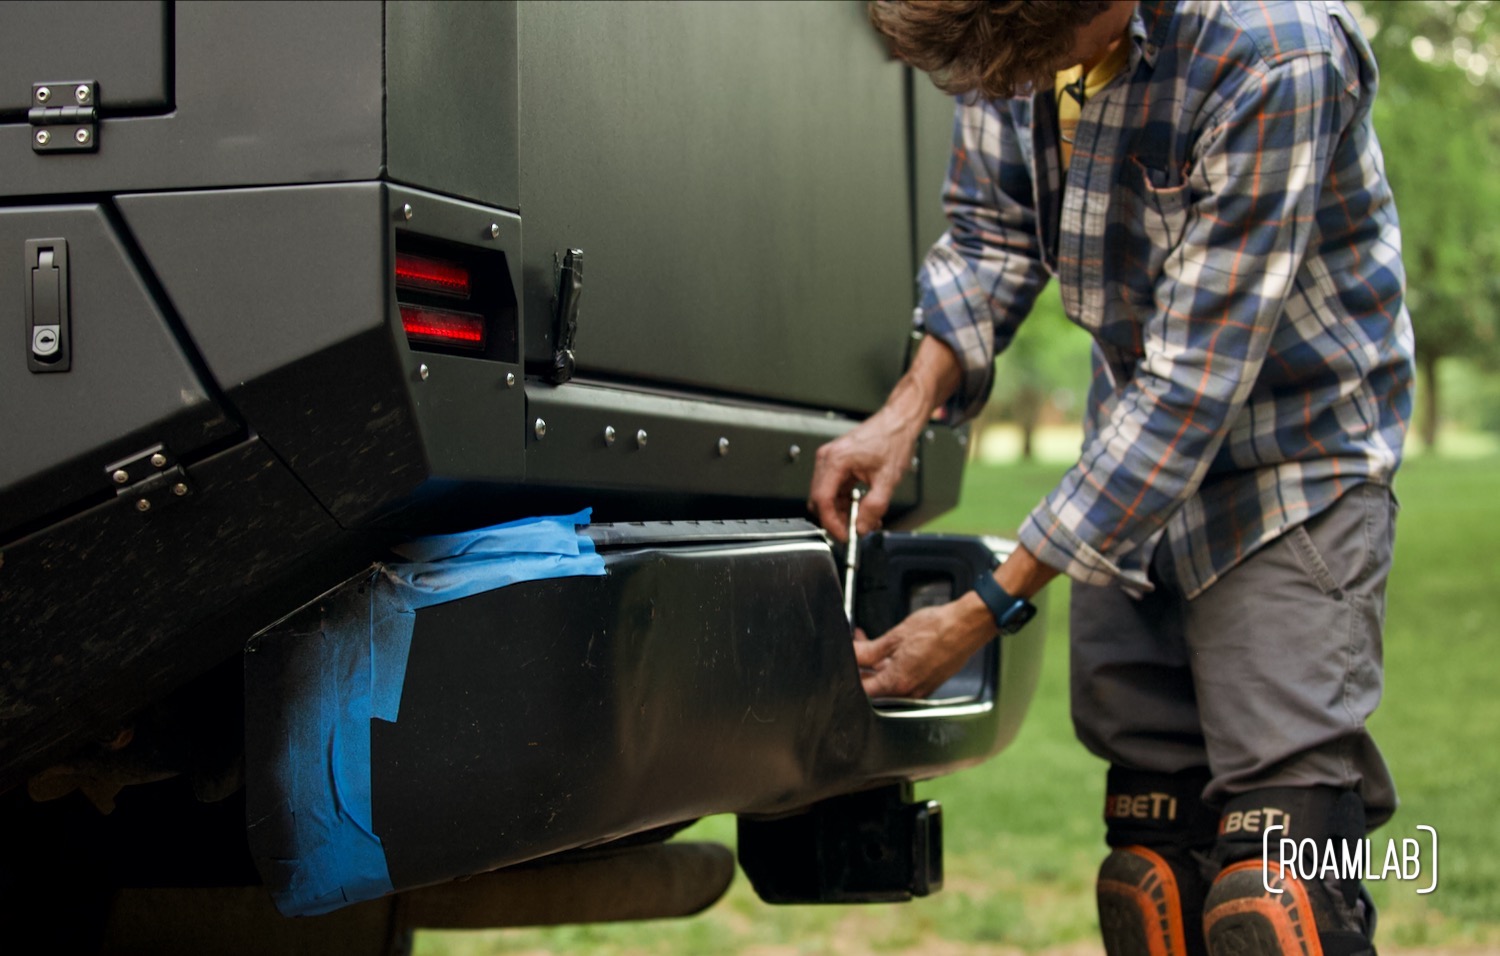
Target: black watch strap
<point>1010,613</point>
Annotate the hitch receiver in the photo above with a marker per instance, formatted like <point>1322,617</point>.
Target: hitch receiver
<point>872,847</point>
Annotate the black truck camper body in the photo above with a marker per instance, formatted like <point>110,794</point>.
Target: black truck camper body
<point>285,286</point>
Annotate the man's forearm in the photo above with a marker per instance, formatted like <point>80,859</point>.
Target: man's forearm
<point>931,380</point>
<point>934,375</point>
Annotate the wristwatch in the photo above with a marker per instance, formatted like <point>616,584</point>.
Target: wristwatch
<point>1011,613</point>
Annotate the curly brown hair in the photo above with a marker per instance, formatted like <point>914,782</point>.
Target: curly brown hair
<point>995,48</point>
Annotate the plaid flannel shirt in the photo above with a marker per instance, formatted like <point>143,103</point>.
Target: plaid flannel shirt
<point>1228,237</point>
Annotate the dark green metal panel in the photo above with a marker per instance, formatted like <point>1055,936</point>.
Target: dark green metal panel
<point>129,386</point>
<point>932,147</point>
<point>284,291</point>
<point>736,174</point>
<point>264,276</point>
<point>450,111</point>
<point>82,40</point>
<point>264,93</point>
<point>766,453</point>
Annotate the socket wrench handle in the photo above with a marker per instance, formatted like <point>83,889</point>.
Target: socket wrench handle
<point>851,555</point>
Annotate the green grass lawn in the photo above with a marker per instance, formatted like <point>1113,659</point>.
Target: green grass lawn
<point>1023,832</point>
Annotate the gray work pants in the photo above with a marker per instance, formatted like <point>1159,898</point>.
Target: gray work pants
<point>1266,678</point>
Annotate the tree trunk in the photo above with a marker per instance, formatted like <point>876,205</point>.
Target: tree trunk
<point>1028,411</point>
<point>1428,420</point>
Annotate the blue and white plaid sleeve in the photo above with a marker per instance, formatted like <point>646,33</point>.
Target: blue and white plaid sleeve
<point>980,279</point>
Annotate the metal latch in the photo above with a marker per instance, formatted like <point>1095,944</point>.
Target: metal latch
<point>44,282</point>
<point>64,117</point>
<point>153,478</point>
<point>569,289</point>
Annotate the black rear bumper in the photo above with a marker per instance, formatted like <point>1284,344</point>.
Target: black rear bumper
<point>709,670</point>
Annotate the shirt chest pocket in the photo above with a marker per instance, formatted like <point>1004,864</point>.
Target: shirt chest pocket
<point>1147,220</point>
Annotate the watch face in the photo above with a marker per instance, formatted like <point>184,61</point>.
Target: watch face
<point>1017,615</point>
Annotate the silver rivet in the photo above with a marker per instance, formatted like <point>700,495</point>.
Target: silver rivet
<point>540,428</point>
<point>640,438</point>
<point>81,135</point>
<point>423,371</point>
<point>158,460</point>
<point>43,94</point>
<point>794,452</point>
<point>179,489</point>
<point>406,211</point>
<point>82,93</point>
<point>915,461</point>
<point>609,434</point>
<point>931,435</point>
<point>494,230</point>
<point>510,379</point>
<point>43,137</point>
<point>723,447</point>
<point>121,476</point>
<point>142,505</point>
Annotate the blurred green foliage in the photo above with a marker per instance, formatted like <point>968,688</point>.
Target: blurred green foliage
<point>1043,375</point>
<point>1438,118</point>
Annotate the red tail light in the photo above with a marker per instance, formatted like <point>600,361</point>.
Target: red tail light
<point>431,275</point>
<point>425,326</point>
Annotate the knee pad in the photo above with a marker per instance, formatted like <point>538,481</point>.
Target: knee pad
<point>1255,909</point>
<point>1152,885</point>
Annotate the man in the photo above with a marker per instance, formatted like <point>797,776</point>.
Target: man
<point>1204,181</point>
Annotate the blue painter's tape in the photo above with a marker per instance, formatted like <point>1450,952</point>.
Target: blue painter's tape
<point>333,856</point>
<point>357,663</point>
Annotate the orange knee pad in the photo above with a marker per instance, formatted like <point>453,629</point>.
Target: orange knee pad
<point>1145,909</point>
<point>1242,917</point>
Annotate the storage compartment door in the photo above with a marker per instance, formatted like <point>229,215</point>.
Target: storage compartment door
<point>122,45</point>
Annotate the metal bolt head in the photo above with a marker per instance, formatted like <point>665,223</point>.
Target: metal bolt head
<point>510,379</point>
<point>43,137</point>
<point>120,476</point>
<point>43,94</point>
<point>158,460</point>
<point>423,371</point>
<point>179,489</point>
<point>609,434</point>
<point>794,452</point>
<point>723,447</point>
<point>82,135</point>
<point>540,428</point>
<point>406,211</point>
<point>640,438</point>
<point>82,93</point>
<point>494,230</point>
<point>142,505</point>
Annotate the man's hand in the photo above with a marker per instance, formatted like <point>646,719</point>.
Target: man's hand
<point>877,452</point>
<point>915,657</point>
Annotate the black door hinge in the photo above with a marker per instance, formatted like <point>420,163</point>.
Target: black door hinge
<point>64,117</point>
<point>153,479</point>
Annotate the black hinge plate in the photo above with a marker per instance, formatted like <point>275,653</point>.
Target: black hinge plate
<point>153,479</point>
<point>64,117</point>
